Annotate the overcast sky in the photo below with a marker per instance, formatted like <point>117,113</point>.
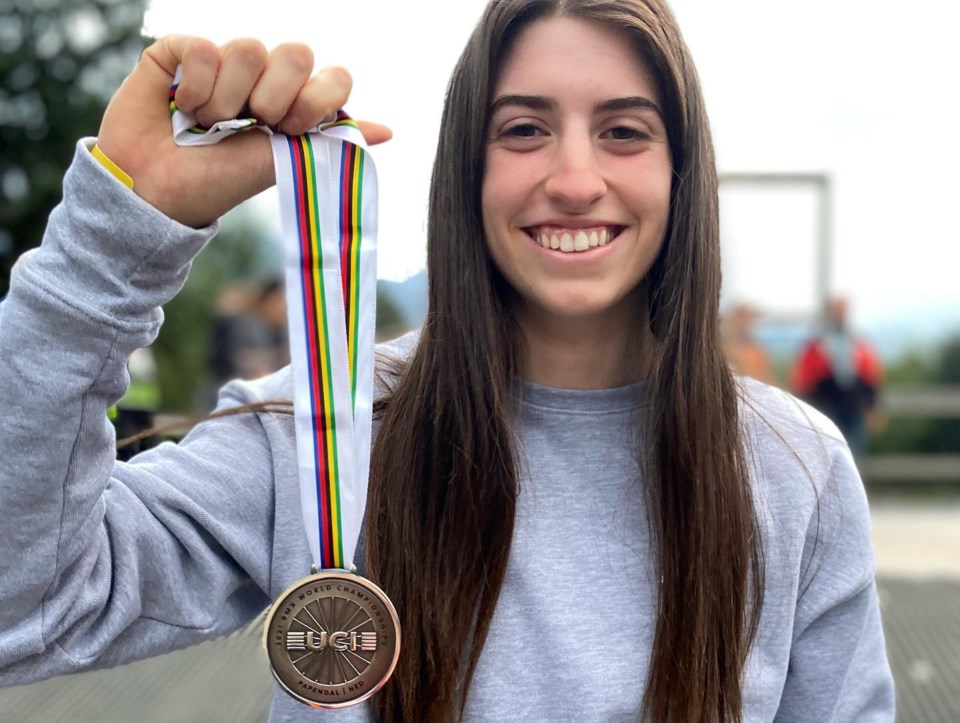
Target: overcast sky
<point>857,89</point>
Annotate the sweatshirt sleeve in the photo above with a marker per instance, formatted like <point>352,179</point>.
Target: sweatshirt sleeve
<point>103,562</point>
<point>838,669</point>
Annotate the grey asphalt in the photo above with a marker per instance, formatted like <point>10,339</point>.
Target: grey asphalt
<point>918,562</point>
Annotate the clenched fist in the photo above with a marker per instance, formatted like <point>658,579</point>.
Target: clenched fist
<point>198,184</point>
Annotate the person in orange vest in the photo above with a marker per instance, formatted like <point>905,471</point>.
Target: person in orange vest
<point>744,353</point>
<point>839,373</point>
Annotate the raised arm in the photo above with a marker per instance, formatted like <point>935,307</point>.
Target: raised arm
<point>102,562</point>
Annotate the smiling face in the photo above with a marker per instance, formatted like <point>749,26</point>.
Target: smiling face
<point>576,191</point>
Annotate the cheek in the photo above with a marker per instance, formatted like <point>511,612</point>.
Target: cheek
<point>496,209</point>
<point>488,205</point>
<point>492,213</point>
<point>507,182</point>
<point>652,199</point>
<point>499,207</point>
<point>493,195</point>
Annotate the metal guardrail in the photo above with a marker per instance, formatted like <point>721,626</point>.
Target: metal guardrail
<point>938,402</point>
<point>912,467</point>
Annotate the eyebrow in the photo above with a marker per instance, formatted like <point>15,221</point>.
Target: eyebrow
<point>542,102</point>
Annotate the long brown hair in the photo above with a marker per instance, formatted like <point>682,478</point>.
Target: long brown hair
<point>443,487</point>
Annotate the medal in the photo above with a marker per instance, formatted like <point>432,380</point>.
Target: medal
<point>332,638</point>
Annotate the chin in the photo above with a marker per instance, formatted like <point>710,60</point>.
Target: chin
<point>580,309</point>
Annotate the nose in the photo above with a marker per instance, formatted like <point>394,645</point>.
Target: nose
<point>575,181</point>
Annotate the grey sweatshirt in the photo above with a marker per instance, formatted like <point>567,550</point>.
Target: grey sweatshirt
<point>104,562</point>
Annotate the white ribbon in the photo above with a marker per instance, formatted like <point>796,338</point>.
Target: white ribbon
<point>352,421</point>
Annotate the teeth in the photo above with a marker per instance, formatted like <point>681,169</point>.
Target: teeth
<point>573,240</point>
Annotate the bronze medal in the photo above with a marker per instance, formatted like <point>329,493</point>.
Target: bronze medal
<point>332,639</point>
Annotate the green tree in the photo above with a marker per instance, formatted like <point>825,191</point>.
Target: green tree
<point>60,61</point>
<point>921,435</point>
<point>944,434</point>
<point>948,371</point>
<point>389,319</point>
<point>905,435</point>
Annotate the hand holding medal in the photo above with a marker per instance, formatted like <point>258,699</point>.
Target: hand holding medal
<point>332,638</point>
<point>197,186</point>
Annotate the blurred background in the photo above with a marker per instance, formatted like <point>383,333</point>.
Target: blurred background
<point>833,123</point>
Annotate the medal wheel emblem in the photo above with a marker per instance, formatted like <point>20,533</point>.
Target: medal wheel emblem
<point>332,639</point>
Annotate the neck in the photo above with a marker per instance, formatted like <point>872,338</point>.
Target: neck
<point>586,352</point>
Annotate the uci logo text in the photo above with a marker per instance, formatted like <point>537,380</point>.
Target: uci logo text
<point>340,641</point>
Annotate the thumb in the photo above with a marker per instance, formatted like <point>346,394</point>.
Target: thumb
<point>374,133</point>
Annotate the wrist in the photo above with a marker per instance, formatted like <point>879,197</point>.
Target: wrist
<point>112,167</point>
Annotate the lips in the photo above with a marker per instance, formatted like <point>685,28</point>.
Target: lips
<point>573,240</point>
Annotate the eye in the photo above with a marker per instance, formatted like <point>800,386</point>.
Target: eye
<point>523,130</point>
<point>625,133</point>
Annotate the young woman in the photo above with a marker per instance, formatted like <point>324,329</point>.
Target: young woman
<point>578,512</point>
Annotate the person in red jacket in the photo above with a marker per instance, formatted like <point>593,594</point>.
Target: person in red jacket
<point>839,374</point>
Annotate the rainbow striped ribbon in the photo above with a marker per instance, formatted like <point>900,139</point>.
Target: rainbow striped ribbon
<point>328,200</point>
<point>328,197</point>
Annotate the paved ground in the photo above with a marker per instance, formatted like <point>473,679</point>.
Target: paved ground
<point>917,539</point>
<point>222,681</point>
<point>918,556</point>
<point>917,544</point>
<point>922,624</point>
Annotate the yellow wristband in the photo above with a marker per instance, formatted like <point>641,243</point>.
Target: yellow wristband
<point>114,169</point>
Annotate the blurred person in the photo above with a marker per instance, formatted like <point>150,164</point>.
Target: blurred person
<point>839,373</point>
<point>744,353</point>
<point>572,500</point>
<point>249,333</point>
